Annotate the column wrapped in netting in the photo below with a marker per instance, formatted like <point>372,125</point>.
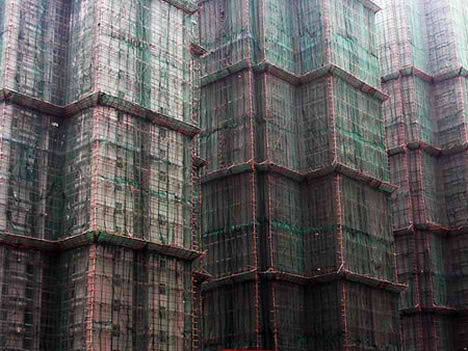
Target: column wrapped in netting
<point>342,124</point>
<point>299,37</point>
<point>393,115</point>
<point>402,37</point>
<point>461,331</point>
<point>230,317</point>
<point>428,331</point>
<point>324,320</point>
<point>116,298</point>
<point>310,41</point>
<point>137,51</point>
<point>447,35</point>
<point>226,115</point>
<point>289,300</point>
<point>277,21</point>
<point>3,36</point>
<point>432,266</point>
<point>424,265</point>
<point>345,313</point>
<point>429,36</point>
<point>24,299</point>
<point>314,125</point>
<point>278,113</point>
<point>458,270</point>
<point>366,226</point>
<point>305,35</point>
<point>426,188</point>
<point>455,173</point>
<point>321,242</point>
<point>407,270</point>
<point>127,177</point>
<point>349,227</point>
<point>372,322</point>
<point>408,112</point>
<point>71,173</point>
<point>168,299</point>
<point>226,32</point>
<point>350,40</point>
<point>284,224</point>
<point>33,53</point>
<point>289,111</point>
<point>423,55</point>
<point>71,272</point>
<point>31,186</point>
<point>449,100</point>
<point>401,200</point>
<point>228,225</point>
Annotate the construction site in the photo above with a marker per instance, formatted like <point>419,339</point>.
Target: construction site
<point>281,175</point>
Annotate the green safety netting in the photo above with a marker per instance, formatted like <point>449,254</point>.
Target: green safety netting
<point>291,126</point>
<point>140,52</point>
<point>368,318</point>
<point>101,170</point>
<point>229,317</point>
<point>428,331</point>
<point>254,219</point>
<point>427,35</point>
<point>290,35</point>
<point>115,298</point>
<point>408,112</point>
<point>137,51</point>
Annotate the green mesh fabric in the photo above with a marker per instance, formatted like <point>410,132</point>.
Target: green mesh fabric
<point>140,52</point>
<point>291,36</point>
<point>275,125</point>
<point>101,170</point>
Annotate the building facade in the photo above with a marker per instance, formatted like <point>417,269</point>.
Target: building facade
<point>98,179</point>
<point>423,55</point>
<point>296,219</point>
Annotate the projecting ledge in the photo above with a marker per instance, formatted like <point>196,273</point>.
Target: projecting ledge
<point>371,5</point>
<point>198,162</point>
<point>157,118</point>
<point>230,279</point>
<point>428,148</point>
<point>131,243</point>
<point>344,274</point>
<point>25,242</point>
<point>198,50</point>
<point>337,71</point>
<point>185,5</point>
<point>12,96</point>
<point>434,228</point>
<point>97,238</point>
<point>200,276</point>
<point>337,167</point>
<point>300,176</point>
<point>252,275</point>
<point>442,310</point>
<point>245,167</point>
<point>99,99</point>
<point>293,78</point>
<point>274,275</point>
<point>408,71</point>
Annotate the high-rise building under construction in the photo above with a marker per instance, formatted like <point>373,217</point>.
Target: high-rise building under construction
<point>423,51</point>
<point>296,221</point>
<point>99,108</point>
<point>331,210</point>
<point>296,215</point>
